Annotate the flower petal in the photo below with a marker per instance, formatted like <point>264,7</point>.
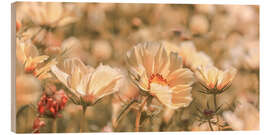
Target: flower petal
<point>176,62</point>
<point>226,77</point>
<point>166,96</point>
<point>104,81</point>
<point>180,76</point>
<point>161,61</point>
<point>61,76</point>
<point>74,64</point>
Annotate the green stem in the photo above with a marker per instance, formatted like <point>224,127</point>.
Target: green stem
<point>83,120</point>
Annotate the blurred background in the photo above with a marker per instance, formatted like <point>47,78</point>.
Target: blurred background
<point>103,33</point>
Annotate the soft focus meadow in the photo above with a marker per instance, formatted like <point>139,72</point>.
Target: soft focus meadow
<point>106,67</point>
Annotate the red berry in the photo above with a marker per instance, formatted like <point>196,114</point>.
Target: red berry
<point>41,109</point>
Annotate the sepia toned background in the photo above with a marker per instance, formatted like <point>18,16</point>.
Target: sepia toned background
<point>103,33</point>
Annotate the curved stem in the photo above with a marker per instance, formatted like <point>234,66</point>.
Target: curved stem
<point>83,121</point>
<point>139,113</point>
<point>122,113</point>
<point>20,110</point>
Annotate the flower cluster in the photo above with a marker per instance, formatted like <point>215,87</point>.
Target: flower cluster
<point>51,105</point>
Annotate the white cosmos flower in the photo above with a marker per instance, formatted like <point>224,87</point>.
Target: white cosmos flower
<point>87,83</point>
<point>214,79</point>
<point>28,55</point>
<point>160,74</point>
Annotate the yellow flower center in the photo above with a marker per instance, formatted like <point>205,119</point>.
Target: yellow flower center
<point>157,78</point>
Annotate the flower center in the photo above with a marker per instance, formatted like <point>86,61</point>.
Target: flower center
<point>89,99</point>
<point>30,69</point>
<point>157,78</point>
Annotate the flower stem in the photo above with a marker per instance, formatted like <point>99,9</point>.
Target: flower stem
<point>209,122</point>
<point>138,116</point>
<point>215,101</point>
<point>215,104</point>
<point>83,120</point>
<point>54,125</point>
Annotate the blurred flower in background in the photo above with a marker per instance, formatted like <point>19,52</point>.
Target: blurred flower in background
<point>49,14</point>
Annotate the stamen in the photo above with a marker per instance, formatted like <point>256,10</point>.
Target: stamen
<point>157,78</point>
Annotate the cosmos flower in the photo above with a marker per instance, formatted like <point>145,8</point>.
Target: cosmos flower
<point>160,74</point>
<point>215,80</point>
<point>86,84</point>
<point>28,55</point>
